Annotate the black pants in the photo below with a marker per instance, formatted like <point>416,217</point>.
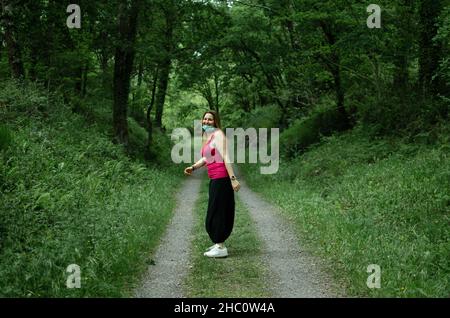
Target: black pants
<point>220,216</point>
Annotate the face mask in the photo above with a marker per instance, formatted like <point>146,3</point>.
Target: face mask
<point>208,128</point>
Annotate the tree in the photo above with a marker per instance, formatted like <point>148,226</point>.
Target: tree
<point>403,44</point>
<point>14,50</point>
<point>429,51</point>
<point>124,57</point>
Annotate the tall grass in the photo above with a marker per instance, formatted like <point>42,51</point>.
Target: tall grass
<point>70,196</point>
<point>358,202</point>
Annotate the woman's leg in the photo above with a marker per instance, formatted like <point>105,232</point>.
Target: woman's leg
<point>220,216</point>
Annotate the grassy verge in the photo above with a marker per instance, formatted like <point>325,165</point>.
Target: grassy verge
<point>70,196</point>
<point>241,273</point>
<point>358,202</point>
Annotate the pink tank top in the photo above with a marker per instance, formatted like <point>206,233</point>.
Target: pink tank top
<point>214,161</point>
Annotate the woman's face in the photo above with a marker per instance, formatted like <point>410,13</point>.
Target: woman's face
<point>208,120</point>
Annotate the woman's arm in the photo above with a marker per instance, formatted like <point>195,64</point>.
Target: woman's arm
<point>220,142</point>
<point>195,166</point>
<point>199,163</point>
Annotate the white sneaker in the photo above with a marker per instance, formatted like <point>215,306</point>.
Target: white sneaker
<point>217,252</point>
<point>211,247</point>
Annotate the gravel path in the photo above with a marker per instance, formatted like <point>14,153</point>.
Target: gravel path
<point>295,274</point>
<point>164,279</point>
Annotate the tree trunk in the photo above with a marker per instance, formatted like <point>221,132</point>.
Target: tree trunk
<point>140,74</point>
<point>33,62</point>
<point>79,79</point>
<point>216,87</point>
<point>340,94</point>
<point>13,47</point>
<point>123,65</point>
<point>104,68</point>
<point>334,65</point>
<point>149,120</point>
<point>165,64</point>
<point>163,82</point>
<point>205,91</point>
<point>401,75</point>
<point>36,37</point>
<point>429,52</point>
<point>404,41</point>
<point>84,74</point>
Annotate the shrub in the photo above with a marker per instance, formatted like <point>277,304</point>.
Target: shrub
<point>23,97</point>
<point>137,138</point>
<point>307,131</point>
<point>137,112</point>
<point>160,149</point>
<point>5,137</point>
<point>68,195</point>
<point>401,114</point>
<point>263,117</point>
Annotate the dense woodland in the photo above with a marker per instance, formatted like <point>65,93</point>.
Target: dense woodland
<point>296,57</point>
<point>113,89</point>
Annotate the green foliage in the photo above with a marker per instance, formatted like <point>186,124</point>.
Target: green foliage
<point>263,117</point>
<point>137,139</point>
<point>356,201</point>
<point>182,109</point>
<point>70,196</point>
<point>6,138</point>
<point>137,111</point>
<point>159,152</point>
<point>307,131</point>
<point>234,117</point>
<point>23,98</point>
<point>160,149</point>
<point>443,38</point>
<point>249,61</point>
<point>408,114</point>
<point>260,117</point>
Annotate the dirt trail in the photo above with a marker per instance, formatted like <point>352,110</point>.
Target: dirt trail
<point>165,278</point>
<point>295,273</point>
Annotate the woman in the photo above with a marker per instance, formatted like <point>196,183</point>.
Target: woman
<point>220,215</point>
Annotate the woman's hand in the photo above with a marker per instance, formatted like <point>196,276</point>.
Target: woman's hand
<point>188,171</point>
<point>235,184</point>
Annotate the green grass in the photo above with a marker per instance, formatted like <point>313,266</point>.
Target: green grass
<point>358,202</point>
<point>70,196</point>
<point>241,274</point>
